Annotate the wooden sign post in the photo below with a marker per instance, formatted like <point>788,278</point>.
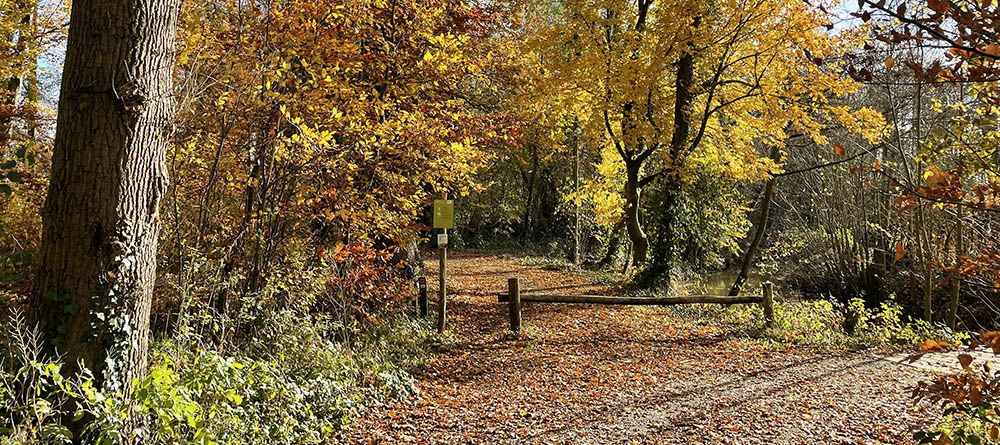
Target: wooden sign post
<point>444,219</point>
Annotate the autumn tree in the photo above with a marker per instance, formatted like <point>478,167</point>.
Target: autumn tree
<point>671,82</point>
<point>27,29</point>
<point>101,219</point>
<point>309,128</point>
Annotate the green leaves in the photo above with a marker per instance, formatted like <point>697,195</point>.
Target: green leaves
<point>57,433</point>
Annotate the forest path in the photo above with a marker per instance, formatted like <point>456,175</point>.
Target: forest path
<point>627,375</point>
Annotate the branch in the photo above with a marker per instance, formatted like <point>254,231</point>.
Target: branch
<point>611,133</point>
<point>934,32</point>
<point>828,164</point>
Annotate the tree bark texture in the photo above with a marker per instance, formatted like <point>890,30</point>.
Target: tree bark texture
<point>95,281</point>
<point>633,224</point>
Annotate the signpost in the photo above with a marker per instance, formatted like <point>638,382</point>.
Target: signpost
<point>444,219</point>
<point>444,213</point>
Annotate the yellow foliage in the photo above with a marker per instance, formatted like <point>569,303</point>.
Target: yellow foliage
<point>356,109</point>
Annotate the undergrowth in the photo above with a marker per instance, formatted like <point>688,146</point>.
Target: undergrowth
<point>291,384</point>
<point>824,323</point>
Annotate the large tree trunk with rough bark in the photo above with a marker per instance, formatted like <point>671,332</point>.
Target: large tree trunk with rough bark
<point>101,218</point>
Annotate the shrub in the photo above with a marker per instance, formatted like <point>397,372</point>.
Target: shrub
<point>828,323</point>
<point>292,384</point>
<point>32,389</point>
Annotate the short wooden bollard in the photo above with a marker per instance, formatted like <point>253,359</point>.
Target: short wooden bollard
<point>514,304</point>
<point>768,291</point>
<point>422,297</point>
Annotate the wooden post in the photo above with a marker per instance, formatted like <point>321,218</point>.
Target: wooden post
<point>514,291</point>
<point>442,273</point>
<point>768,291</point>
<point>422,298</point>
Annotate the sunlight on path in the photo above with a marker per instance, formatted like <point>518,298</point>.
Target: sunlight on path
<point>945,362</point>
<point>621,375</point>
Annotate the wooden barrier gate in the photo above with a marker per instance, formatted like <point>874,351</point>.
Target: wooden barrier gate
<point>514,298</point>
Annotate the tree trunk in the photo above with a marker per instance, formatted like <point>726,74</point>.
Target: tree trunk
<point>95,281</point>
<point>758,236</point>
<point>956,285</point>
<point>640,244</point>
<point>664,245</point>
<point>575,255</point>
<point>761,229</point>
<point>671,188</point>
<point>614,245</point>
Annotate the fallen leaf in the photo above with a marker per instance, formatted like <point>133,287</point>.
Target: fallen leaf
<point>965,360</point>
<point>931,345</point>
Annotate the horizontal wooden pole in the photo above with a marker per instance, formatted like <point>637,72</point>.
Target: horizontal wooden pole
<point>634,301</point>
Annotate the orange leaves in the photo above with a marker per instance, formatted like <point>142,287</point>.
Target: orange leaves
<point>938,178</point>
<point>900,251</point>
<point>839,150</point>
<point>990,340</point>
<point>966,392</point>
<point>992,49</point>
<point>357,126</point>
<point>931,345</point>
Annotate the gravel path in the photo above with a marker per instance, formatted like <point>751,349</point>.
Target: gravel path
<point>614,375</point>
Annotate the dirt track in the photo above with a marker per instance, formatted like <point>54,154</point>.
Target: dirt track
<point>613,375</point>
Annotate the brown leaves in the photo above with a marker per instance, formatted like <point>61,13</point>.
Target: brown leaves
<point>990,340</point>
<point>938,6</point>
<point>945,439</point>
<point>965,360</point>
<point>969,389</point>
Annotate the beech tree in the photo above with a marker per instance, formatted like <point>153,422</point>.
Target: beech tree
<point>676,84</point>
<point>95,279</point>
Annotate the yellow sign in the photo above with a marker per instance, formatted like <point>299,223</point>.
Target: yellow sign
<point>444,214</point>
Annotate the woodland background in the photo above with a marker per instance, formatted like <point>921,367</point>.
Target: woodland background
<point>848,152</point>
